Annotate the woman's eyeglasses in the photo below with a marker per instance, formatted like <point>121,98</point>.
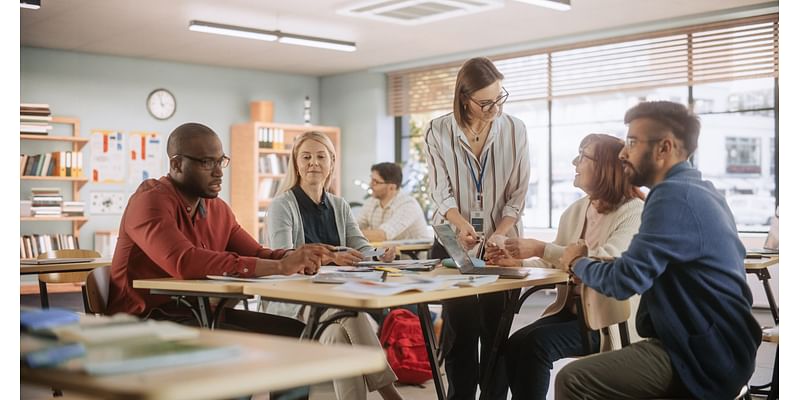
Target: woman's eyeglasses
<point>487,105</point>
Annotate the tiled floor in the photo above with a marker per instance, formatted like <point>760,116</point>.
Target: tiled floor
<point>530,311</point>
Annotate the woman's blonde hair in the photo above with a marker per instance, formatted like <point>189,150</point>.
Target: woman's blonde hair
<point>292,178</point>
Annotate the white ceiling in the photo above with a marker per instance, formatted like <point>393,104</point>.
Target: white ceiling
<point>157,29</point>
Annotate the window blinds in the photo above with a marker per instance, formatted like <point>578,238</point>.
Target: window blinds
<point>737,49</point>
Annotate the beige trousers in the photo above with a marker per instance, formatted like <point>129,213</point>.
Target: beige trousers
<point>358,330</point>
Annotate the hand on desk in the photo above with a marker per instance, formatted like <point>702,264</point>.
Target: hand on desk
<point>497,256</point>
<point>345,257</point>
<point>304,260</point>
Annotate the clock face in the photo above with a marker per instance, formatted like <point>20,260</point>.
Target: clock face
<point>161,104</point>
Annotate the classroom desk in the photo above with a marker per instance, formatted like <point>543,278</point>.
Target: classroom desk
<point>760,267</point>
<point>320,297</point>
<point>202,289</point>
<point>268,363</point>
<point>28,269</point>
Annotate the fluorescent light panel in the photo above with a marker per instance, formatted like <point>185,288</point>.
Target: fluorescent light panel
<point>30,4</point>
<point>230,30</point>
<point>560,5</point>
<point>271,36</point>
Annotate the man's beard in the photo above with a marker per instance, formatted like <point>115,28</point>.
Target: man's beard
<point>641,175</point>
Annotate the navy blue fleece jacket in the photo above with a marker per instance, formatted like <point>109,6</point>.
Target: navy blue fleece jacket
<point>687,262</point>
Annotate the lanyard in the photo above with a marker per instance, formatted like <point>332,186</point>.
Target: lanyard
<point>479,179</point>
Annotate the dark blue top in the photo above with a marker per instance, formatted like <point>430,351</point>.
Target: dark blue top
<point>319,220</point>
<point>687,262</point>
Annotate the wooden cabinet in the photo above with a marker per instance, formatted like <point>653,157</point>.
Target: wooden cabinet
<point>253,173</point>
<point>74,143</point>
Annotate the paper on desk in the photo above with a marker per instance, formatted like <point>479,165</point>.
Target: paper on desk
<point>432,261</point>
<point>416,283</point>
<point>268,278</point>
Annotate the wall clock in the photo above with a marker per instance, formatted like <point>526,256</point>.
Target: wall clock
<point>161,104</point>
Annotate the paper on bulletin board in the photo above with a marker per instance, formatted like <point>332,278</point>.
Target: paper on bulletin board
<point>146,156</point>
<point>108,156</point>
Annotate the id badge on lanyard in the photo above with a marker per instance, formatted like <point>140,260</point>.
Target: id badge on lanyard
<point>476,214</point>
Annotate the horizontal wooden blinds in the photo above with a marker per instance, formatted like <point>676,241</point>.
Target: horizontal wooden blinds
<point>737,49</point>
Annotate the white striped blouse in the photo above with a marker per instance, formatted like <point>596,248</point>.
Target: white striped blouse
<point>505,181</point>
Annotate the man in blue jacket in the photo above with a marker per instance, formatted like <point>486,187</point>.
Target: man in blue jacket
<point>686,262</point>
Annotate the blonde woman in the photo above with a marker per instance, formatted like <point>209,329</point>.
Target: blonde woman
<point>305,212</point>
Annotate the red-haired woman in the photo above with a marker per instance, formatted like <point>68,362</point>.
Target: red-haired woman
<point>606,218</point>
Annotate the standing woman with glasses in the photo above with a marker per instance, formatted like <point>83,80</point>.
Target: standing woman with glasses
<point>606,218</point>
<point>479,171</point>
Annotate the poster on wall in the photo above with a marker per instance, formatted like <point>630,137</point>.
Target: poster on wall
<point>108,156</point>
<point>107,202</point>
<point>146,156</point>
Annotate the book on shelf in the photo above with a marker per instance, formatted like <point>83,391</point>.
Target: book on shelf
<point>34,129</point>
<point>35,119</point>
<point>33,245</point>
<point>57,163</point>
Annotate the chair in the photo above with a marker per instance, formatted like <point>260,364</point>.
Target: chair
<point>614,312</point>
<point>96,290</point>
<point>63,277</point>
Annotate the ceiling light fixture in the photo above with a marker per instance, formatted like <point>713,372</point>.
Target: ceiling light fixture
<point>560,5</point>
<point>31,4</point>
<point>271,36</point>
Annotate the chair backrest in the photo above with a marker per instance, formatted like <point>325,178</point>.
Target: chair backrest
<point>97,284</point>
<point>600,312</point>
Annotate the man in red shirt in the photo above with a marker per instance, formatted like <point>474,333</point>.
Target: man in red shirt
<point>176,226</point>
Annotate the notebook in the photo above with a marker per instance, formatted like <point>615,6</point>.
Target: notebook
<point>45,261</point>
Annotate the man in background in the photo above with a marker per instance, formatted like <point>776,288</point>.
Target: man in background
<point>391,214</point>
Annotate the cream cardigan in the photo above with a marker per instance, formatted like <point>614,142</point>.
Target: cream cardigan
<point>616,231</point>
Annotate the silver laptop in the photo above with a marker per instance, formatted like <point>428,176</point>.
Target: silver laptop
<point>447,237</point>
<point>771,243</point>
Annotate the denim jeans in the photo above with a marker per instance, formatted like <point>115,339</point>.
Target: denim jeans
<point>531,351</point>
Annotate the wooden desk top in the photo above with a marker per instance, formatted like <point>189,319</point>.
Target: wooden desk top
<point>754,264</point>
<point>191,285</point>
<point>307,292</point>
<point>268,363</point>
<point>27,269</point>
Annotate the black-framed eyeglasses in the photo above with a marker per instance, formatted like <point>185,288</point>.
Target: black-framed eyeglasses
<point>208,163</point>
<point>487,105</point>
<point>374,182</point>
<point>630,142</point>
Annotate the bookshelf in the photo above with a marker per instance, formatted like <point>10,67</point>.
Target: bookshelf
<point>75,143</point>
<point>251,186</point>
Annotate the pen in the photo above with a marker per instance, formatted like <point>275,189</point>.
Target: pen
<point>384,275</point>
<point>339,249</point>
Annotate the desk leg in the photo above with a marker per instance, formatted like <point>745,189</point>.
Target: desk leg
<point>43,295</point>
<point>764,276</point>
<point>315,313</point>
<point>427,332</point>
<point>503,329</point>
<point>205,308</point>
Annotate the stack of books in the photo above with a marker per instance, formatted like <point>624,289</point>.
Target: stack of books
<point>34,119</point>
<point>273,164</point>
<point>60,339</point>
<point>270,138</point>
<point>46,202</point>
<point>72,208</point>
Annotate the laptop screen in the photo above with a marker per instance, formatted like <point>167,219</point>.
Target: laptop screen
<point>447,237</point>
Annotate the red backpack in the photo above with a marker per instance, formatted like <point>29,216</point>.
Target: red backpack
<point>401,336</point>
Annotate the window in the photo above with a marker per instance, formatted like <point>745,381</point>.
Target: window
<point>726,72</point>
